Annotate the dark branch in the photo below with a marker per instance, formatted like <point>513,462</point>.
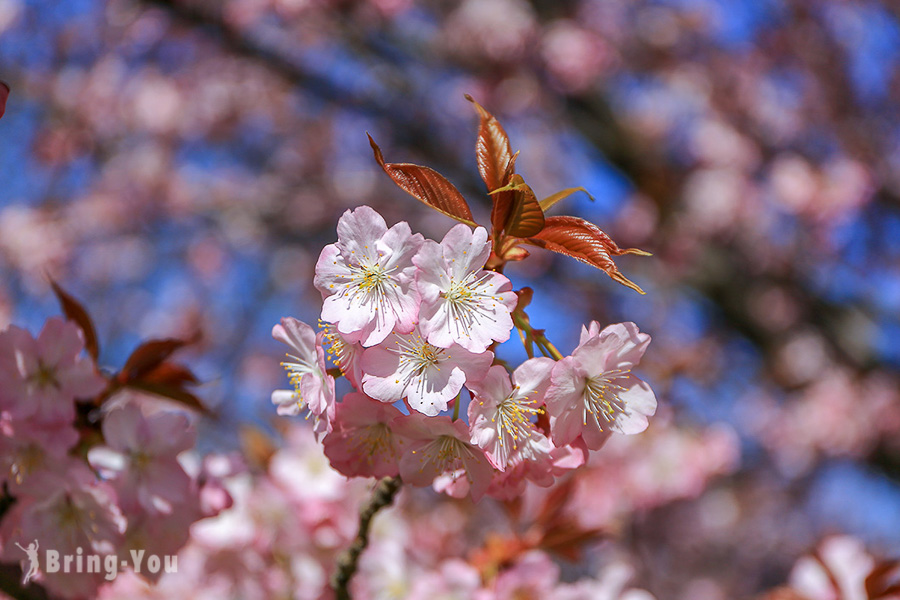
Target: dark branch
<point>383,496</point>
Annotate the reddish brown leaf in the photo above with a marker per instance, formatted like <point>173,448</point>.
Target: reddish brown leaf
<point>428,186</point>
<point>515,253</point>
<point>891,593</point>
<point>172,392</point>
<point>168,373</point>
<point>586,242</point>
<point>568,539</point>
<point>552,199</point>
<point>492,149</point>
<point>4,95</point>
<point>147,357</point>
<point>554,502</point>
<point>883,579</point>
<point>257,447</point>
<point>525,216</point>
<point>75,312</point>
<point>502,201</point>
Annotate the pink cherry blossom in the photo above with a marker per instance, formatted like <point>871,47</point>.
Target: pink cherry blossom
<point>140,456</point>
<point>344,353</point>
<point>407,366</point>
<point>41,378</point>
<point>74,511</point>
<point>461,302</point>
<point>28,446</point>
<point>367,278</point>
<point>531,461</point>
<point>593,391</point>
<point>610,584</point>
<point>501,411</point>
<point>532,577</point>
<point>363,443</point>
<point>538,461</point>
<point>454,579</point>
<point>439,453</point>
<point>306,367</point>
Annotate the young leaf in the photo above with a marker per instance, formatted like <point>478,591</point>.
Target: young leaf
<point>173,392</point>
<point>502,200</point>
<point>552,199</point>
<point>492,149</point>
<point>584,241</point>
<point>525,216</point>
<point>74,311</point>
<point>147,357</point>
<point>882,579</point>
<point>428,186</point>
<point>169,373</point>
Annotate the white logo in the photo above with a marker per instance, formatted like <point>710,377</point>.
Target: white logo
<point>108,564</point>
<point>31,551</point>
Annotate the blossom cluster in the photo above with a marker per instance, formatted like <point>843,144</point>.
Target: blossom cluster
<point>411,323</point>
<point>78,477</point>
<point>293,514</point>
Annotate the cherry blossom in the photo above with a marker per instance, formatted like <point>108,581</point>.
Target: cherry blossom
<point>313,387</point>
<point>538,461</point>
<point>344,353</point>
<point>41,377</point>
<point>501,410</point>
<point>140,457</point>
<point>28,446</point>
<point>363,443</point>
<point>440,454</point>
<point>407,366</point>
<point>74,511</point>
<point>461,302</point>
<point>367,278</point>
<point>593,391</point>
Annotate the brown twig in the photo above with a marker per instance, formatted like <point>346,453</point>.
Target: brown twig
<point>382,496</point>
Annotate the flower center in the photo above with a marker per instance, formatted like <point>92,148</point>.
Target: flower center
<point>44,377</point>
<point>139,460</point>
<point>371,277</point>
<point>417,356</point>
<point>26,460</point>
<point>467,303</point>
<point>373,440</point>
<point>339,351</point>
<point>445,452</point>
<point>601,399</point>
<point>296,369</point>
<point>513,418</point>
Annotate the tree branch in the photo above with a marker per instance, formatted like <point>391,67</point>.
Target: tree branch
<point>382,496</point>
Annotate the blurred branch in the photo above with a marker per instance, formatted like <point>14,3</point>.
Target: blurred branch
<point>276,51</point>
<point>382,496</point>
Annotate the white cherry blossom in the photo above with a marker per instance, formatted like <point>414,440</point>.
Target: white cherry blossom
<point>367,278</point>
<point>461,302</point>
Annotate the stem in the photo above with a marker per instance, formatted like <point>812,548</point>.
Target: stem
<point>543,342</point>
<point>382,496</point>
<point>529,334</point>
<point>456,406</point>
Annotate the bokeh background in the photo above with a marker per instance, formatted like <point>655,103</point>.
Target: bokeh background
<point>177,165</point>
